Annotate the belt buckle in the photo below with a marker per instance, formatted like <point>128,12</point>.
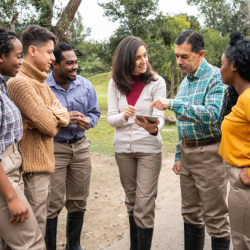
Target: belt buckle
<point>185,141</point>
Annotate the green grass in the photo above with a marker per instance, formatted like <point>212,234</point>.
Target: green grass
<point>102,134</point>
<point>170,138</point>
<point>101,137</point>
<point>100,83</point>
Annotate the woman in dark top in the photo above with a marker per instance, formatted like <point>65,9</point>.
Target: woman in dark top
<point>18,227</point>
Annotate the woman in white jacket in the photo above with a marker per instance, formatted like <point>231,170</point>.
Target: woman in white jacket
<point>138,145</point>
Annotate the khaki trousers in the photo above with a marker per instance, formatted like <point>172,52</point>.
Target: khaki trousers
<point>203,183</point>
<point>239,209</point>
<point>21,236</point>
<point>139,174</point>
<point>72,174</point>
<point>37,189</point>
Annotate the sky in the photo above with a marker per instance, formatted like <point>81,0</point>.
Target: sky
<point>102,28</point>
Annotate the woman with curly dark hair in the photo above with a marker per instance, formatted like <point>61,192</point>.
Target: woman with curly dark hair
<point>18,227</point>
<point>235,143</point>
<point>138,145</point>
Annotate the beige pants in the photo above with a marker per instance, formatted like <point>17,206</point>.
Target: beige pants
<point>203,188</point>
<point>21,236</point>
<point>139,174</point>
<point>37,189</point>
<point>239,209</point>
<point>72,173</point>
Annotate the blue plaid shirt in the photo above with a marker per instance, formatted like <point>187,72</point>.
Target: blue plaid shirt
<point>197,105</point>
<point>11,131</point>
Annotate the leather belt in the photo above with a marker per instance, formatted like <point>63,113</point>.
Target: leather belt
<point>200,142</point>
<point>74,140</point>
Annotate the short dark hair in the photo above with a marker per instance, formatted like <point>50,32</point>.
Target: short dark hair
<point>123,64</point>
<point>5,41</point>
<point>193,38</point>
<point>239,53</point>
<point>36,35</point>
<point>59,48</point>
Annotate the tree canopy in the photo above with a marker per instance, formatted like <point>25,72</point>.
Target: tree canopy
<point>17,14</point>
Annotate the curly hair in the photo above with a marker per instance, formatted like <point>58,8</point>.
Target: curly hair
<point>239,53</point>
<point>123,64</point>
<point>61,47</point>
<point>5,41</point>
<point>36,35</point>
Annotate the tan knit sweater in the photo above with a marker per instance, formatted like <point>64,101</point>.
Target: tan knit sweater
<point>33,97</point>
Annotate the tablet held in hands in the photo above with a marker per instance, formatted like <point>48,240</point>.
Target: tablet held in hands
<point>150,119</point>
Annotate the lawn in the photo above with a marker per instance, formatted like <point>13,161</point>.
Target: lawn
<point>102,134</point>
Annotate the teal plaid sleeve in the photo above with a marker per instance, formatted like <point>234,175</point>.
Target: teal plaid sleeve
<point>178,152</point>
<point>207,113</point>
<point>198,105</point>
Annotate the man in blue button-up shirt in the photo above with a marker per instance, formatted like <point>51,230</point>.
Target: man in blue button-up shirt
<point>72,153</point>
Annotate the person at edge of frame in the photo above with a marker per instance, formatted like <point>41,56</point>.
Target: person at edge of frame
<point>72,147</point>
<point>16,215</point>
<point>234,148</point>
<point>203,179</point>
<point>138,146</point>
<point>42,114</point>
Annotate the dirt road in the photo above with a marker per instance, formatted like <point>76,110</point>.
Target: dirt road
<point>106,223</point>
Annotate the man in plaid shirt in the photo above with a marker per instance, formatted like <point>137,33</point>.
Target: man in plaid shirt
<point>203,180</point>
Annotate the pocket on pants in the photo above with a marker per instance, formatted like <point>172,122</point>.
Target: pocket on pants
<point>27,177</point>
<point>233,174</point>
<point>10,164</point>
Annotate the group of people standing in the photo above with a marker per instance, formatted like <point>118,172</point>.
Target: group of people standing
<point>45,156</point>
<point>213,120</point>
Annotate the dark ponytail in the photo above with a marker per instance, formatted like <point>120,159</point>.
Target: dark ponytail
<point>239,53</point>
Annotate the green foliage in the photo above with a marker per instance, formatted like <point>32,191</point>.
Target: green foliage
<point>215,45</point>
<point>24,12</point>
<point>91,62</point>
<point>41,12</point>
<point>134,17</point>
<point>133,14</point>
<point>164,31</point>
<point>223,15</point>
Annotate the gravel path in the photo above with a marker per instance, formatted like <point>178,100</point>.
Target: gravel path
<point>168,234</point>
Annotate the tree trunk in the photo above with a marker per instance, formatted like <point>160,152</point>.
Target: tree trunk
<point>13,21</point>
<point>61,29</point>
<point>172,79</point>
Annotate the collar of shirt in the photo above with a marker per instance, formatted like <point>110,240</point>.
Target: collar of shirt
<point>198,72</point>
<point>52,83</point>
<point>2,79</point>
<point>3,85</point>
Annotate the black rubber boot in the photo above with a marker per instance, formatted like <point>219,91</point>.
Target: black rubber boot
<point>220,243</point>
<point>74,229</point>
<point>144,238</point>
<point>50,236</point>
<point>194,237</point>
<point>133,234</point>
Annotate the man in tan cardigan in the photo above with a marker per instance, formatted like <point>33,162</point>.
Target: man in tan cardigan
<point>42,114</point>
